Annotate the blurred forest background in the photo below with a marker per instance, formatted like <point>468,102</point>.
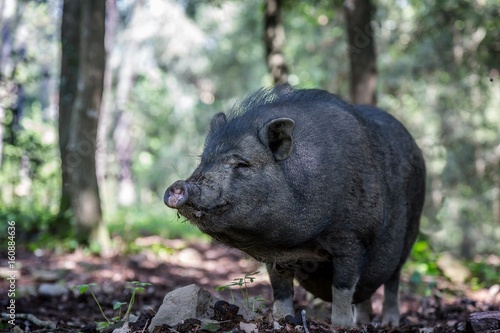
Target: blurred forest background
<point>170,65</point>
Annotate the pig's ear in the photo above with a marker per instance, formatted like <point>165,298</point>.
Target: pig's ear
<point>218,121</point>
<point>277,135</point>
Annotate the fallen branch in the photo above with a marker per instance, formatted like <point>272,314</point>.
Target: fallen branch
<point>31,318</point>
<point>484,321</point>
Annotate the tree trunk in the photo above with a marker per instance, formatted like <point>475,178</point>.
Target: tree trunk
<point>10,14</point>
<point>359,14</point>
<point>108,100</point>
<point>274,38</point>
<point>70,44</point>
<point>123,121</point>
<point>81,157</point>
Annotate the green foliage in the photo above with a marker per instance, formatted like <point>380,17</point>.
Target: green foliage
<point>235,48</point>
<point>423,259</point>
<point>29,168</point>
<point>29,165</point>
<point>437,81</point>
<point>242,284</point>
<point>135,286</point>
<point>135,222</point>
<point>39,228</point>
<point>315,47</point>
<point>169,151</point>
<point>423,270</point>
<point>484,274</point>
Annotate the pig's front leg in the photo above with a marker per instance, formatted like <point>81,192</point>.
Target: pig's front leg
<point>282,284</point>
<point>342,308</point>
<point>346,272</point>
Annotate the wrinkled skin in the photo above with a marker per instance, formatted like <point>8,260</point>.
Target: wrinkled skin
<point>321,191</point>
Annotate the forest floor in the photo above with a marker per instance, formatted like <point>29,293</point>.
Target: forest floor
<point>170,264</point>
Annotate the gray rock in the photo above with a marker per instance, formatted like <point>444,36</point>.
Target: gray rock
<point>187,302</point>
<point>192,301</point>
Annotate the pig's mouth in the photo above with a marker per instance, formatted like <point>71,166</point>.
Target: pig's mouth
<point>203,217</point>
<point>186,198</point>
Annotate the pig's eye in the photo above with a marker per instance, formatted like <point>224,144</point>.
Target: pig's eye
<point>241,164</point>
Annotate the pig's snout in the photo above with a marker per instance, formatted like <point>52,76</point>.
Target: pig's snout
<point>176,195</point>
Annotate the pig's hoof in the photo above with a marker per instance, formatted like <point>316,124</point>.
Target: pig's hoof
<point>283,308</point>
<point>343,323</point>
<point>390,319</point>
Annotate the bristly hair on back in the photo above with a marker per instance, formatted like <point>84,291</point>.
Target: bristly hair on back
<point>278,95</point>
<point>261,97</point>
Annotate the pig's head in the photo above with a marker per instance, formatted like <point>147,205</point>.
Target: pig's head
<point>239,187</point>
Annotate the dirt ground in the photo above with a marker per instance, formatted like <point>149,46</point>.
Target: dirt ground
<point>176,263</point>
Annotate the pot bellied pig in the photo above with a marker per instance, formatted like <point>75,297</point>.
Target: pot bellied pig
<point>320,190</point>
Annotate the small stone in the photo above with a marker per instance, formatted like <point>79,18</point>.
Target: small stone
<point>52,289</point>
<point>248,327</point>
<point>426,330</point>
<point>45,276</point>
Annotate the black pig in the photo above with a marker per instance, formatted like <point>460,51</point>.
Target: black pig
<point>318,189</point>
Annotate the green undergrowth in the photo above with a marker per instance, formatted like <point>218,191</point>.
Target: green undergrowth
<point>132,223</point>
<point>424,268</point>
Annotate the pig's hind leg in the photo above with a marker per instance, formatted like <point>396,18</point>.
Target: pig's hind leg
<point>390,310</point>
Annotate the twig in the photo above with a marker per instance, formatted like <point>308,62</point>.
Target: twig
<point>33,319</point>
<point>145,326</point>
<point>303,313</point>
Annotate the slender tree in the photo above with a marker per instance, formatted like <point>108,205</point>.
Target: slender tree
<point>83,123</point>
<point>122,120</point>
<point>274,38</point>
<point>363,78</point>
<point>70,45</point>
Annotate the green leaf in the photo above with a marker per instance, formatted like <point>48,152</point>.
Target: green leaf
<point>101,325</point>
<point>137,285</point>
<point>82,288</point>
<point>118,305</point>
